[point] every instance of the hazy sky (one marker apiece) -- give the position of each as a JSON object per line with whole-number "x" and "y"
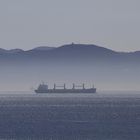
{"x": 26, "y": 24}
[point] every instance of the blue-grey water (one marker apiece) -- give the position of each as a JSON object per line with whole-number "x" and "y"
{"x": 101, "y": 116}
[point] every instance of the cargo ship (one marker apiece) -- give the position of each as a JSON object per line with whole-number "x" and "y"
{"x": 43, "y": 88}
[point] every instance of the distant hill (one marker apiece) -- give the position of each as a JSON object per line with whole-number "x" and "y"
{"x": 81, "y": 50}
{"x": 70, "y": 54}
{"x": 41, "y": 48}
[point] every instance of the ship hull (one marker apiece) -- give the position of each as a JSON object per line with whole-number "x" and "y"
{"x": 92, "y": 90}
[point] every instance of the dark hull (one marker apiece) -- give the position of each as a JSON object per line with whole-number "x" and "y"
{"x": 92, "y": 90}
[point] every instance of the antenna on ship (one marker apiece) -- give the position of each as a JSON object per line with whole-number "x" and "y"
{"x": 83, "y": 86}
{"x": 54, "y": 86}
{"x": 64, "y": 86}
{"x": 73, "y": 87}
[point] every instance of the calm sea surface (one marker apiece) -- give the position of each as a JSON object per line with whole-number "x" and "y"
{"x": 101, "y": 116}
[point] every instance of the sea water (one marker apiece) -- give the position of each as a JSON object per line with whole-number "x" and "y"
{"x": 100, "y": 116}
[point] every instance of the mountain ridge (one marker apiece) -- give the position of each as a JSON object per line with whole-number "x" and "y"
{"x": 65, "y": 46}
{"x": 69, "y": 54}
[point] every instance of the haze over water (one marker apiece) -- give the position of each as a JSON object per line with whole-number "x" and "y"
{"x": 101, "y": 116}
{"x": 36, "y": 45}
